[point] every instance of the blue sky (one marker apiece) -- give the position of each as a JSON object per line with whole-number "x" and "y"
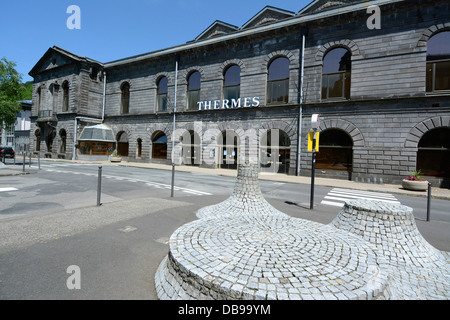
{"x": 115, "y": 29}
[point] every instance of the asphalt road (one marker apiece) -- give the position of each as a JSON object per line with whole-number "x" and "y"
{"x": 62, "y": 186}
{"x": 49, "y": 221}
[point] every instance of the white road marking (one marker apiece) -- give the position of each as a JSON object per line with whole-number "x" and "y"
{"x": 340, "y": 196}
{"x": 8, "y": 189}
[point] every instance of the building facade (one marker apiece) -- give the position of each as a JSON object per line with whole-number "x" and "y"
{"x": 377, "y": 72}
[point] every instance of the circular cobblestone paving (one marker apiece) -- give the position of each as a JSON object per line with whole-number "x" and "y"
{"x": 243, "y": 248}
{"x": 275, "y": 258}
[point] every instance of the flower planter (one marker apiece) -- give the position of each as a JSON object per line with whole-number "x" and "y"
{"x": 116, "y": 159}
{"x": 415, "y": 185}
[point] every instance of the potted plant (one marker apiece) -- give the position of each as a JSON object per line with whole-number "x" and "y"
{"x": 415, "y": 182}
{"x": 115, "y": 157}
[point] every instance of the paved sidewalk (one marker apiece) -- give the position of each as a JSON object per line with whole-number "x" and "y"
{"x": 437, "y": 193}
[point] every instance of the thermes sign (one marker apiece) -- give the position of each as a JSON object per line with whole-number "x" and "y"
{"x": 229, "y": 104}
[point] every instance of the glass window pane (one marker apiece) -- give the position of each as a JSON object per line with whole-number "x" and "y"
{"x": 193, "y": 99}
{"x": 163, "y": 85}
{"x": 279, "y": 69}
{"x": 233, "y": 76}
{"x": 336, "y": 60}
{"x": 162, "y": 102}
{"x": 194, "y": 81}
{"x": 442, "y": 76}
{"x": 439, "y": 46}
{"x": 278, "y": 91}
{"x": 430, "y": 67}
{"x": 347, "y": 85}
{"x": 325, "y": 87}
{"x": 335, "y": 82}
{"x": 231, "y": 92}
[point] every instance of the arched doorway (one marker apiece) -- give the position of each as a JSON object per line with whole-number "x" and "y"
{"x": 434, "y": 153}
{"x": 49, "y": 137}
{"x": 37, "y": 134}
{"x": 336, "y": 151}
{"x": 63, "y": 145}
{"x": 139, "y": 148}
{"x": 122, "y": 144}
{"x": 275, "y": 151}
{"x": 191, "y": 148}
{"x": 228, "y": 144}
{"x": 159, "y": 145}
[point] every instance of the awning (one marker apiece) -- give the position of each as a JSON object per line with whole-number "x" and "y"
{"x": 101, "y": 133}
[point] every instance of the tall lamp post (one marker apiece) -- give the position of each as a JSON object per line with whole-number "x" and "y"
{"x": 173, "y": 131}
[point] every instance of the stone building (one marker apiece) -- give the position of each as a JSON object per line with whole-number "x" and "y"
{"x": 377, "y": 72}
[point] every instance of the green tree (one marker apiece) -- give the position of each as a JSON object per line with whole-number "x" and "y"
{"x": 11, "y": 89}
{"x": 28, "y": 92}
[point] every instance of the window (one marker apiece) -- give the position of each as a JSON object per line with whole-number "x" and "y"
{"x": 434, "y": 152}
{"x": 278, "y": 81}
{"x": 336, "y": 151}
{"x": 438, "y": 62}
{"x": 275, "y": 151}
{"x": 228, "y": 145}
{"x": 194, "y": 86}
{"x": 232, "y": 83}
{"x": 336, "y": 74}
{"x": 65, "y": 105}
{"x": 191, "y": 151}
{"x": 159, "y": 145}
{"x": 162, "y": 94}
{"x": 125, "y": 100}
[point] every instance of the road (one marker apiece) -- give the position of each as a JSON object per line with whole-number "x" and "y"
{"x": 119, "y": 245}
{"x": 62, "y": 186}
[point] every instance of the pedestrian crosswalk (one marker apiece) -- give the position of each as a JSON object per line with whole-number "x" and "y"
{"x": 338, "y": 196}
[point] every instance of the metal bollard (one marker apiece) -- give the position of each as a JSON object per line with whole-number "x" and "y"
{"x": 24, "y": 155}
{"x": 30, "y": 160}
{"x": 99, "y": 186}
{"x": 39, "y": 161}
{"x": 173, "y": 180}
{"x": 429, "y": 202}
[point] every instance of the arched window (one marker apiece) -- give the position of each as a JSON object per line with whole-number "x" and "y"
{"x": 278, "y": 81}
{"x": 438, "y": 62}
{"x": 194, "y": 85}
{"x": 65, "y": 104}
{"x": 159, "y": 145}
{"x": 336, "y": 151}
{"x": 336, "y": 74}
{"x": 162, "y": 94}
{"x": 232, "y": 83}
{"x": 125, "y": 98}
{"x": 434, "y": 153}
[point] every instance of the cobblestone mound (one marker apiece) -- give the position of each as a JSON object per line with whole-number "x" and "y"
{"x": 246, "y": 198}
{"x": 243, "y": 248}
{"x": 418, "y": 270}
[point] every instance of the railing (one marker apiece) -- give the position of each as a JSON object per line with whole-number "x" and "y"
{"x": 45, "y": 114}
